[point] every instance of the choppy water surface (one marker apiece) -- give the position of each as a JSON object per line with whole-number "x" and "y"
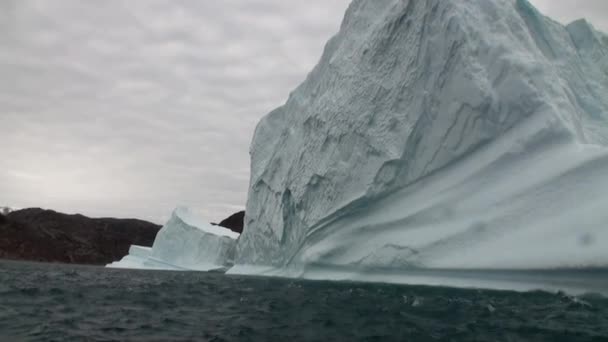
{"x": 71, "y": 303}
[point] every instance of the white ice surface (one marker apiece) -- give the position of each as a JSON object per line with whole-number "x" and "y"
{"x": 436, "y": 134}
{"x": 184, "y": 243}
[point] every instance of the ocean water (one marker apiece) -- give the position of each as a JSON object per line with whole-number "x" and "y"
{"x": 43, "y": 302}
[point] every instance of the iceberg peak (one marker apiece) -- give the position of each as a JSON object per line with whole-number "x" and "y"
{"x": 584, "y": 36}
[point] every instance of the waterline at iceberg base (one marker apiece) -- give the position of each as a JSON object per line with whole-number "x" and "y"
{"x": 436, "y": 135}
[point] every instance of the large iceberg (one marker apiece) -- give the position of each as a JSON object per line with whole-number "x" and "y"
{"x": 436, "y": 134}
{"x": 184, "y": 243}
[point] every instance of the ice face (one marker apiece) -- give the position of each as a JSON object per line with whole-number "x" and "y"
{"x": 184, "y": 243}
{"x": 192, "y": 244}
{"x": 437, "y": 134}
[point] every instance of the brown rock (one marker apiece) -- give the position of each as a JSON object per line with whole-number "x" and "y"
{"x": 49, "y": 236}
{"x": 234, "y": 222}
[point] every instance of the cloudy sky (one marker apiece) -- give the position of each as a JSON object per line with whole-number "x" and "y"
{"x": 130, "y": 107}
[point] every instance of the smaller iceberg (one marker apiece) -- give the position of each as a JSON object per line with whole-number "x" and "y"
{"x": 185, "y": 243}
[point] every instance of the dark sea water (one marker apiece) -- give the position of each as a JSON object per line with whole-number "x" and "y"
{"x": 41, "y": 302}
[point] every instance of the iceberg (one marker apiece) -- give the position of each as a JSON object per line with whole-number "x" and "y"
{"x": 436, "y": 135}
{"x": 184, "y": 243}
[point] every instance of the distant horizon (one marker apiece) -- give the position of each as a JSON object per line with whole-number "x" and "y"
{"x": 130, "y": 109}
{"x": 13, "y": 209}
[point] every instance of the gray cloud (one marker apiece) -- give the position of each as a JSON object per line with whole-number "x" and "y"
{"x": 130, "y": 107}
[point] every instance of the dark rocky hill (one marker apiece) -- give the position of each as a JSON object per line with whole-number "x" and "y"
{"x": 234, "y": 222}
{"x": 49, "y": 236}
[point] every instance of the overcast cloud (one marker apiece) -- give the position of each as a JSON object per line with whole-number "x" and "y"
{"x": 131, "y": 107}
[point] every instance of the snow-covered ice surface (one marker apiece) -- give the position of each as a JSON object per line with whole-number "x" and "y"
{"x": 436, "y": 135}
{"x": 184, "y": 243}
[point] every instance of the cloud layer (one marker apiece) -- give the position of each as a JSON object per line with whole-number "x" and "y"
{"x": 130, "y": 107}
